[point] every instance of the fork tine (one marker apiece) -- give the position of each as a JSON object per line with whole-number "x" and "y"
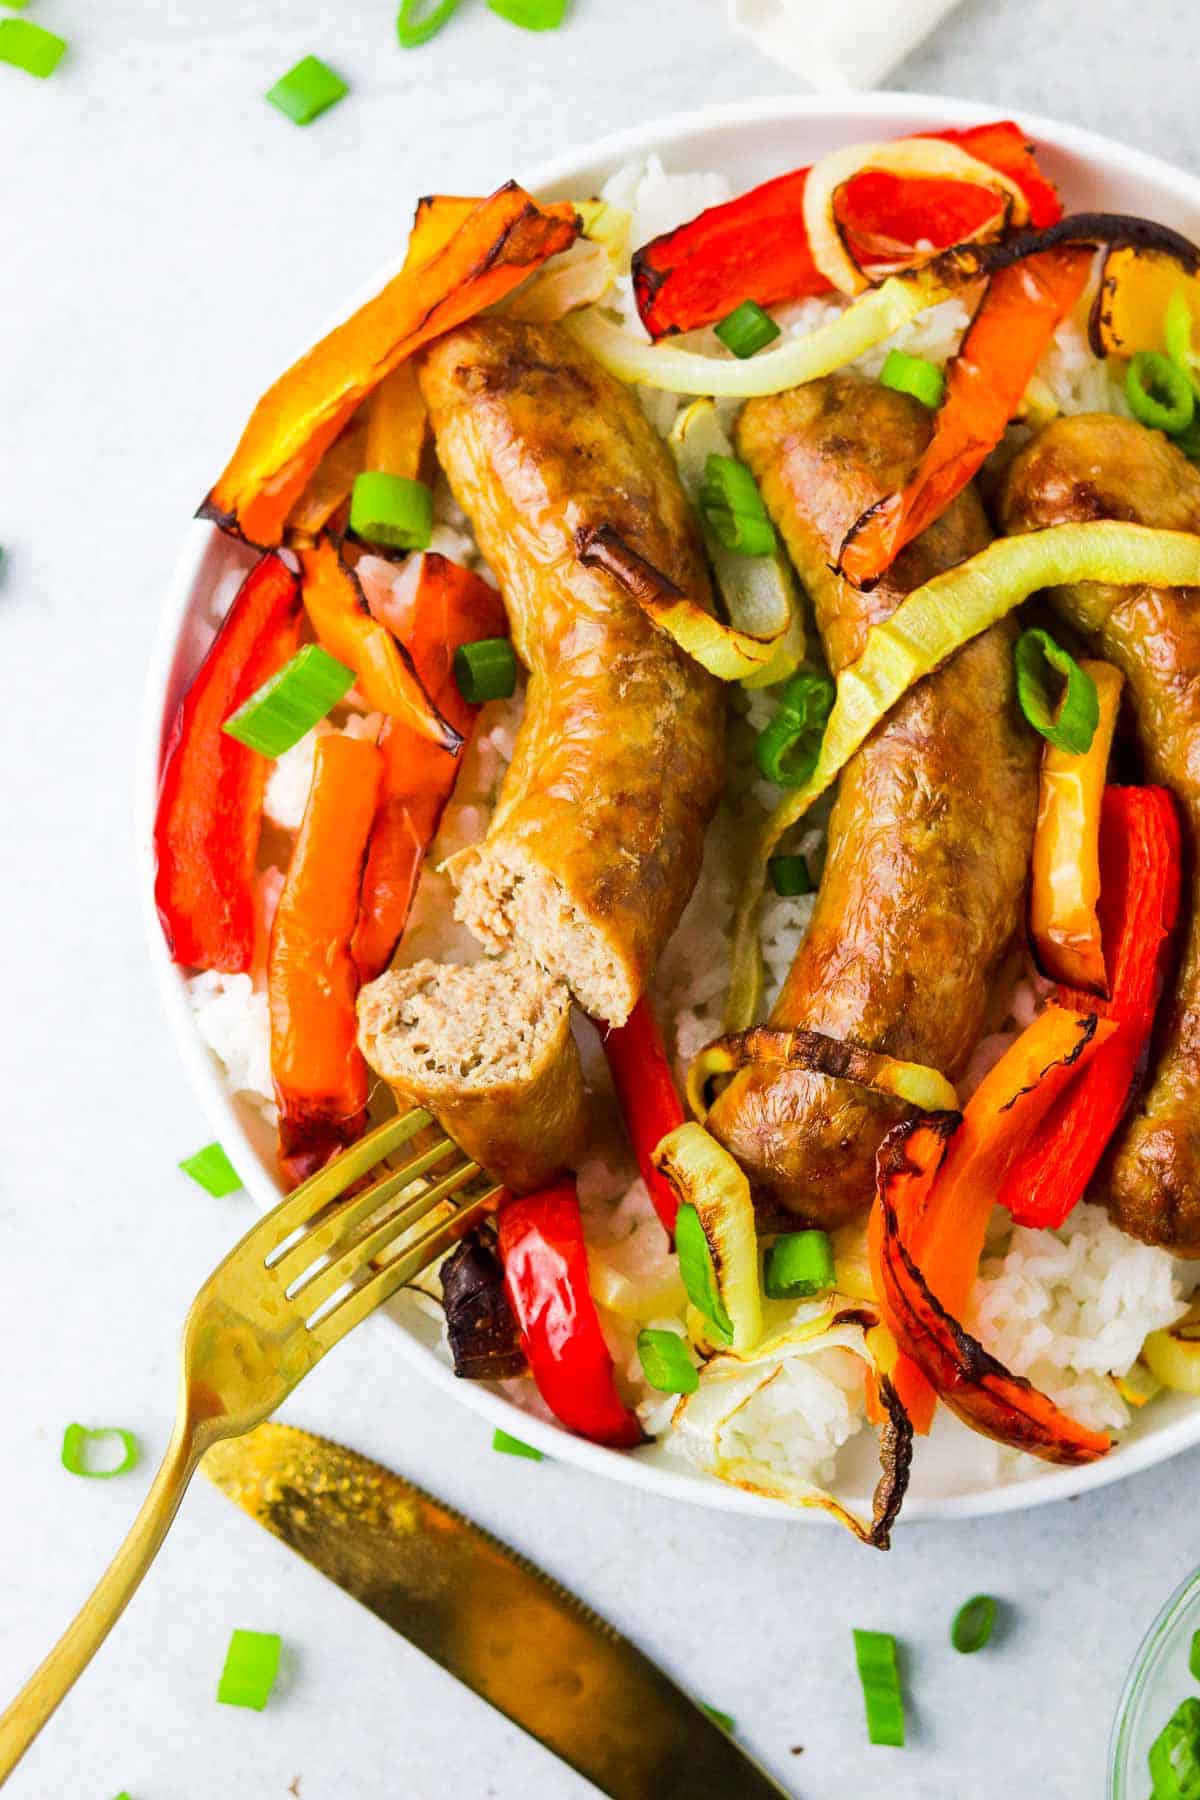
{"x": 327, "y": 1235}
{"x": 304, "y": 1202}
{"x": 349, "y": 1312}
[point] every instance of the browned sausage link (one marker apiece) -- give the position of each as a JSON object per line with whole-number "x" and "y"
{"x": 596, "y": 843}
{"x": 1101, "y": 467}
{"x": 930, "y": 837}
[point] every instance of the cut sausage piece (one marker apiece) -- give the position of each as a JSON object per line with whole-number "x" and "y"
{"x": 1096, "y": 466}
{"x": 486, "y": 1048}
{"x": 595, "y": 846}
{"x": 930, "y": 837}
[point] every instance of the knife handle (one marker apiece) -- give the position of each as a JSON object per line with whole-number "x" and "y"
{"x": 54, "y": 1679}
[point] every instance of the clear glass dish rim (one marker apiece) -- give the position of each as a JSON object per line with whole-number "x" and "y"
{"x": 1138, "y": 1679}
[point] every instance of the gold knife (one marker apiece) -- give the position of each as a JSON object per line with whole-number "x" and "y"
{"x": 506, "y": 1630}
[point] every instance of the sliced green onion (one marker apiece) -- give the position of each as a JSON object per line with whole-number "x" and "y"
{"x": 531, "y": 15}
{"x": 251, "y": 1665}
{"x": 786, "y": 750}
{"x": 973, "y": 1624}
{"x": 725, "y": 1720}
{"x": 697, "y": 1273}
{"x": 1159, "y": 394}
{"x": 77, "y": 1458}
{"x": 285, "y": 708}
{"x": 413, "y": 29}
{"x": 391, "y": 510}
{"x": 733, "y": 507}
{"x": 213, "y": 1170}
{"x": 747, "y": 329}
{"x": 875, "y": 1654}
{"x": 307, "y": 91}
{"x": 666, "y": 1363}
{"x": 789, "y": 875}
{"x": 31, "y": 48}
{"x": 511, "y": 1446}
{"x": 1194, "y": 1657}
{"x": 1071, "y": 725}
{"x": 1175, "y": 1755}
{"x": 913, "y": 375}
{"x": 799, "y": 1265}
{"x": 19, "y": 6}
{"x": 485, "y": 670}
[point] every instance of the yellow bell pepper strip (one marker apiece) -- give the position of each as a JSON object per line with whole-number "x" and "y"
{"x": 397, "y": 425}
{"x": 385, "y": 672}
{"x": 330, "y": 485}
{"x": 1064, "y": 927}
{"x": 492, "y": 251}
{"x": 1136, "y": 287}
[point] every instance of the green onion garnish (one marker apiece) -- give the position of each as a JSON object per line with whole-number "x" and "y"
{"x": 696, "y": 1270}
{"x": 875, "y": 1653}
{"x": 913, "y": 375}
{"x": 391, "y": 510}
{"x": 1175, "y": 1755}
{"x": 666, "y": 1363}
{"x": 789, "y": 875}
{"x": 31, "y": 48}
{"x": 251, "y": 1665}
{"x": 414, "y": 27}
{"x": 531, "y": 15}
{"x": 1071, "y": 725}
{"x": 213, "y": 1170}
{"x": 733, "y": 507}
{"x": 77, "y": 1458}
{"x": 485, "y": 670}
{"x": 307, "y": 91}
{"x": 1159, "y": 394}
{"x": 973, "y": 1624}
{"x": 746, "y": 329}
{"x": 511, "y": 1446}
{"x": 799, "y": 1265}
{"x": 786, "y": 750}
{"x": 19, "y": 6}
{"x": 287, "y": 706}
{"x": 725, "y": 1720}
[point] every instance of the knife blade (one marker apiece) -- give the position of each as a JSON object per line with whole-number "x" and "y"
{"x": 510, "y": 1633}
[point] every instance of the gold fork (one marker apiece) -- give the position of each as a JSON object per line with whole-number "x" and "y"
{"x": 299, "y": 1280}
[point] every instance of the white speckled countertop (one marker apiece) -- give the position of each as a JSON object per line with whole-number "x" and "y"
{"x": 168, "y": 239}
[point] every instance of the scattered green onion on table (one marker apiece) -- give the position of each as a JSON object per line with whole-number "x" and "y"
{"x": 307, "y": 90}
{"x": 511, "y": 1446}
{"x": 879, "y": 1672}
{"x": 286, "y": 707}
{"x": 725, "y": 1720}
{"x": 973, "y": 1624}
{"x": 913, "y": 375}
{"x": 531, "y": 15}
{"x": 251, "y": 1665}
{"x": 417, "y": 22}
{"x": 76, "y": 1454}
{"x": 746, "y": 329}
{"x": 30, "y": 47}
{"x": 213, "y": 1171}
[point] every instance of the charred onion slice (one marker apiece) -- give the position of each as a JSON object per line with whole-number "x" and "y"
{"x": 722, "y": 649}
{"x": 705, "y": 1176}
{"x": 911, "y": 158}
{"x": 482, "y": 1332}
{"x": 981, "y": 1391}
{"x": 914, "y": 1083}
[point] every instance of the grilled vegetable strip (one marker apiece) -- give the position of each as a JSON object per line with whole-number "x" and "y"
{"x": 650, "y": 1105}
{"x": 1065, "y": 877}
{"x": 448, "y": 606}
{"x": 206, "y": 828}
{"x": 319, "y": 1074}
{"x": 480, "y": 1327}
{"x": 710, "y": 1186}
{"x": 1139, "y": 865}
{"x": 771, "y": 1047}
{"x": 330, "y": 483}
{"x": 1017, "y": 318}
{"x": 545, "y": 1272}
{"x": 338, "y": 612}
{"x": 755, "y": 247}
{"x": 976, "y": 1387}
{"x": 397, "y": 425}
{"x": 492, "y": 250}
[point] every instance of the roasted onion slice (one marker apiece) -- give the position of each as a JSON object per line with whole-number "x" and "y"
{"x": 914, "y": 1083}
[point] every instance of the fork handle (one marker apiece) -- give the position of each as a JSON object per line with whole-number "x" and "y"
{"x": 50, "y": 1683}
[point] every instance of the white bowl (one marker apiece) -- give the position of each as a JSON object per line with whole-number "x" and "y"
{"x": 748, "y": 141}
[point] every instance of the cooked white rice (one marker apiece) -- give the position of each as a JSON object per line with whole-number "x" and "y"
{"x": 1070, "y": 1309}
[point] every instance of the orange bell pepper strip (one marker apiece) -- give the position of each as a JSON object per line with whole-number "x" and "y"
{"x": 502, "y": 241}
{"x": 331, "y": 483}
{"x": 977, "y": 1388}
{"x": 437, "y": 218}
{"x": 450, "y": 606}
{"x": 1064, "y": 882}
{"x": 1019, "y": 314}
{"x": 1141, "y": 860}
{"x": 384, "y": 669}
{"x": 397, "y": 425}
{"x": 312, "y": 985}
{"x": 209, "y": 815}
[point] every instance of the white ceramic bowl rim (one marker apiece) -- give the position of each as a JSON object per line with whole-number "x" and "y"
{"x": 868, "y": 115}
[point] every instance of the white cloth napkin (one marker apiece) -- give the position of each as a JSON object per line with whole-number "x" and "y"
{"x": 838, "y": 44}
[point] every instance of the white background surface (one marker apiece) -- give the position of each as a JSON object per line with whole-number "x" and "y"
{"x": 168, "y": 240}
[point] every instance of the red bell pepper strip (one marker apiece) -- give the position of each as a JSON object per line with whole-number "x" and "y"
{"x": 209, "y": 816}
{"x": 1140, "y": 862}
{"x": 545, "y": 1273}
{"x": 312, "y": 985}
{"x": 650, "y": 1103}
{"x": 755, "y": 248}
{"x": 1019, "y": 314}
{"x": 450, "y": 606}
